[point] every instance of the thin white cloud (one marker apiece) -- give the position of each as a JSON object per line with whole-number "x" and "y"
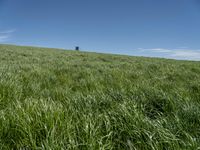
{"x": 3, "y": 38}
{"x": 6, "y": 34}
{"x": 187, "y": 54}
{"x": 7, "y": 31}
{"x": 161, "y": 50}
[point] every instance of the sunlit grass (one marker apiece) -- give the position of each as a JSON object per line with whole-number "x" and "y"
{"x": 56, "y": 99}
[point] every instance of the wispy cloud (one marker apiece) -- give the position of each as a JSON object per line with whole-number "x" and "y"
{"x": 7, "y": 31}
{"x": 181, "y": 53}
{"x": 6, "y": 34}
{"x": 158, "y": 50}
{"x": 187, "y": 54}
{"x": 3, "y": 38}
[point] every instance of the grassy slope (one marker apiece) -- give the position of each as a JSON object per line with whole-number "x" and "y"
{"x": 53, "y": 99}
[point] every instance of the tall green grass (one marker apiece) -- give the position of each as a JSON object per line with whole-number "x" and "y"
{"x": 56, "y": 99}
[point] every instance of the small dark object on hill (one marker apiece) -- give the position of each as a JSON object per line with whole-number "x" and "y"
{"x": 77, "y": 48}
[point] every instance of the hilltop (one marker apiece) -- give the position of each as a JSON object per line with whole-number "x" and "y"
{"x": 64, "y": 99}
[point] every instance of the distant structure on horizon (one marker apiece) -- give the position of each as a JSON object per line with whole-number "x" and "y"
{"x": 77, "y": 48}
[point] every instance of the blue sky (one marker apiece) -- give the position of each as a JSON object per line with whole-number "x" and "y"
{"x": 156, "y": 28}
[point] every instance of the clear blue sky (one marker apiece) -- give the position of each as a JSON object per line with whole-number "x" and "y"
{"x": 160, "y": 28}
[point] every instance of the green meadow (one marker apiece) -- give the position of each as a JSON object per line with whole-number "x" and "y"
{"x": 62, "y": 99}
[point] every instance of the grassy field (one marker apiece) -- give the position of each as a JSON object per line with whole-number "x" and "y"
{"x": 57, "y": 99}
